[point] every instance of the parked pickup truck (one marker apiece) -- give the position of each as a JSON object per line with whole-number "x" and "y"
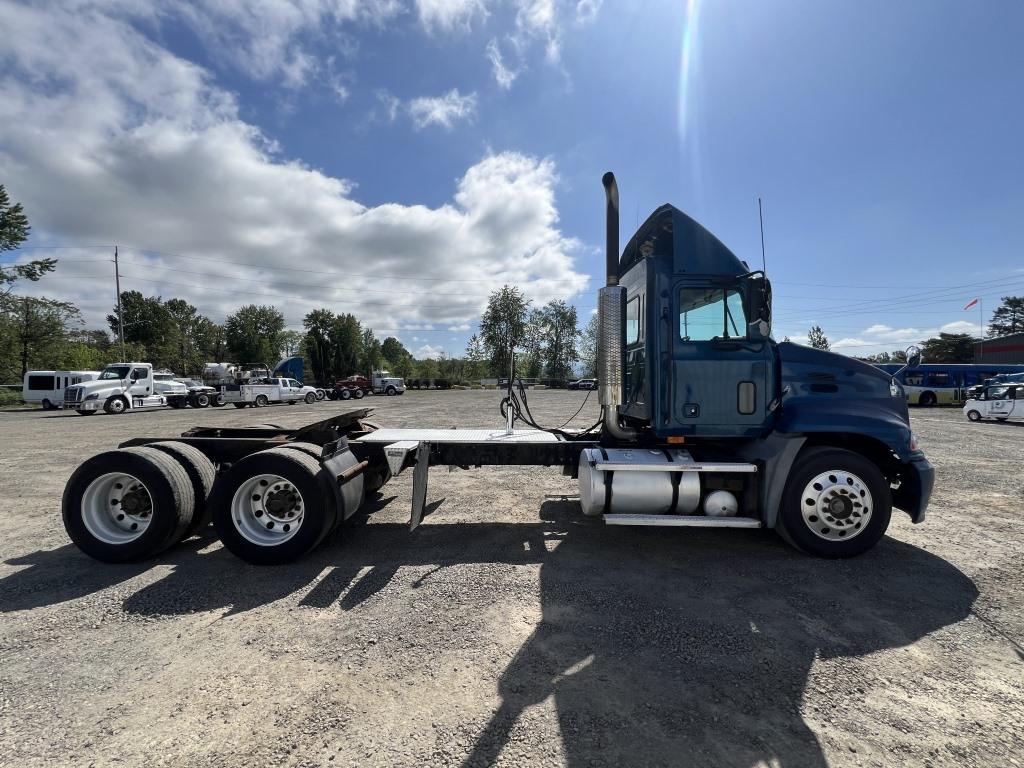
{"x": 274, "y": 390}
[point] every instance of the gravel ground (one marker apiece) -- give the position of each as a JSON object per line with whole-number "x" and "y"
{"x": 507, "y": 630}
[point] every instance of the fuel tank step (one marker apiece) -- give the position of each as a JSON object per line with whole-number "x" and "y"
{"x": 683, "y": 521}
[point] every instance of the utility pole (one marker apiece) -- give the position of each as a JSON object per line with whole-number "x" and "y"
{"x": 120, "y": 316}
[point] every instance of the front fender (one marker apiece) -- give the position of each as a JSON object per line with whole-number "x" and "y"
{"x": 876, "y": 419}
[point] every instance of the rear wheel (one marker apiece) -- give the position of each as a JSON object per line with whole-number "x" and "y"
{"x": 836, "y": 503}
{"x": 127, "y": 505}
{"x": 310, "y": 449}
{"x": 219, "y": 400}
{"x": 973, "y": 415}
{"x": 47, "y": 405}
{"x": 358, "y": 394}
{"x": 345, "y": 394}
{"x": 927, "y": 399}
{"x": 239, "y": 405}
{"x": 201, "y": 473}
{"x": 262, "y": 401}
{"x": 272, "y": 507}
{"x": 202, "y": 400}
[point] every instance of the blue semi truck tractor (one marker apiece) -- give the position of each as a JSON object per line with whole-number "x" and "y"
{"x": 706, "y": 421}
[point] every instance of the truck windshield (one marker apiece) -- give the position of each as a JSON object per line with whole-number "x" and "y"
{"x": 116, "y": 372}
{"x": 711, "y": 313}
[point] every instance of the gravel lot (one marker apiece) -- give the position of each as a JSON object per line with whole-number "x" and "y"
{"x": 507, "y": 630}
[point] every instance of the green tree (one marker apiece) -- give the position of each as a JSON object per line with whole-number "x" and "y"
{"x": 319, "y": 325}
{"x": 290, "y": 342}
{"x": 40, "y": 331}
{"x": 148, "y": 323}
{"x": 427, "y": 369}
{"x": 347, "y": 340}
{"x": 817, "y": 339}
{"x": 949, "y": 348}
{"x": 1008, "y": 317}
{"x": 558, "y": 324}
{"x": 503, "y": 326}
{"x": 588, "y": 348}
{"x": 476, "y": 359}
{"x": 14, "y": 230}
{"x": 253, "y": 332}
{"x": 371, "y": 353}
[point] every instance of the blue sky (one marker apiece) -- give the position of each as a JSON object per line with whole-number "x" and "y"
{"x": 399, "y": 159}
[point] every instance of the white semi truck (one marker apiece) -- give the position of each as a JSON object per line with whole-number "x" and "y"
{"x": 119, "y": 387}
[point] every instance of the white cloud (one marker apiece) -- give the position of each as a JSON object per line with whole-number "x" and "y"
{"x": 268, "y": 39}
{"x": 444, "y": 110}
{"x": 502, "y": 74}
{"x": 539, "y": 19}
{"x": 587, "y": 10}
{"x": 153, "y": 155}
{"x": 449, "y": 15}
{"x": 428, "y": 352}
{"x": 390, "y": 103}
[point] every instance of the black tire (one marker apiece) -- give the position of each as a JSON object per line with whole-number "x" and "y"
{"x": 390, "y": 391}
{"x": 47, "y": 405}
{"x": 302, "y": 471}
{"x": 310, "y": 398}
{"x": 218, "y": 401}
{"x": 332, "y": 395}
{"x": 1002, "y": 418}
{"x": 310, "y": 449}
{"x": 262, "y": 401}
{"x": 174, "y": 403}
{"x": 321, "y": 394}
{"x": 239, "y": 405}
{"x": 292, "y": 402}
{"x": 973, "y": 415}
{"x": 115, "y": 405}
{"x": 812, "y": 462}
{"x": 359, "y": 394}
{"x": 202, "y": 400}
{"x": 927, "y": 399}
{"x": 345, "y": 394}
{"x": 170, "y": 495}
{"x": 201, "y": 473}
{"x": 85, "y": 413}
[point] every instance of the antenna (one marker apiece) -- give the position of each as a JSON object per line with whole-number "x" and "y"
{"x": 760, "y": 217}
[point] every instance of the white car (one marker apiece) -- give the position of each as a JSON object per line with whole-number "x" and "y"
{"x": 999, "y": 402}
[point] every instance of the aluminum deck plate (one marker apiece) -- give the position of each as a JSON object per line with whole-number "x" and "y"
{"x": 459, "y": 436}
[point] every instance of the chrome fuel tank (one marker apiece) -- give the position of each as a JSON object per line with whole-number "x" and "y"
{"x": 644, "y": 491}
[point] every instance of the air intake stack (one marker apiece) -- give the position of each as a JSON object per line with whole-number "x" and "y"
{"x": 611, "y": 322}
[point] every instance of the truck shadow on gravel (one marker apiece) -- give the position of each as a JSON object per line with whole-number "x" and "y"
{"x": 658, "y": 646}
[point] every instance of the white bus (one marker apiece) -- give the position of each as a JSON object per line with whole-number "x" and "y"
{"x": 46, "y": 388}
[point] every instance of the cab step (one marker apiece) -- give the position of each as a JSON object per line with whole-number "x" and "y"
{"x": 683, "y": 521}
{"x": 717, "y": 466}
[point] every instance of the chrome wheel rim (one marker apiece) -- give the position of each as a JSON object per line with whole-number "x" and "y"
{"x": 117, "y": 406}
{"x": 117, "y": 508}
{"x": 267, "y": 510}
{"x": 836, "y": 505}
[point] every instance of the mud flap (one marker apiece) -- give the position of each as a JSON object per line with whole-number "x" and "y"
{"x": 419, "y": 485}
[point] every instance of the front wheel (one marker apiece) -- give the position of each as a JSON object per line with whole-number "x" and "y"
{"x": 390, "y": 391}
{"x": 836, "y": 503}
{"x": 116, "y": 405}
{"x": 973, "y": 415}
{"x": 310, "y": 398}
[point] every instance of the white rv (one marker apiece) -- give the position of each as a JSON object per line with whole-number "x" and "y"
{"x": 46, "y": 388}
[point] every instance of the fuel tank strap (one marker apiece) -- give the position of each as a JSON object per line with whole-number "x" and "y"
{"x": 607, "y": 483}
{"x": 676, "y": 477}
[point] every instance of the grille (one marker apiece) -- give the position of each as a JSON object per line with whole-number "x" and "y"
{"x": 73, "y": 394}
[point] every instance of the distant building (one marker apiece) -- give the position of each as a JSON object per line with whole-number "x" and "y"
{"x": 1005, "y": 349}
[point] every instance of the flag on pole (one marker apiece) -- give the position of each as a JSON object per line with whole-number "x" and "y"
{"x": 971, "y": 304}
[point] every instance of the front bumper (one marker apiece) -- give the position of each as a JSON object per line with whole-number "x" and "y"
{"x": 84, "y": 405}
{"x": 915, "y": 489}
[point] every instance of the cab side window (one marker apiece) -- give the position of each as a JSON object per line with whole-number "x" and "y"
{"x": 633, "y": 320}
{"x": 138, "y": 373}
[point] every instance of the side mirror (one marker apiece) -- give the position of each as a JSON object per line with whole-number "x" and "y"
{"x": 913, "y": 357}
{"x": 759, "y": 327}
{"x": 134, "y": 376}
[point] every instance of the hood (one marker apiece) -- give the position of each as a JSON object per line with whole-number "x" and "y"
{"x": 96, "y": 384}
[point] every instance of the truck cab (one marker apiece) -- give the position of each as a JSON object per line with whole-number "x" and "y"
{"x": 119, "y": 387}
{"x": 386, "y": 384}
{"x": 175, "y": 393}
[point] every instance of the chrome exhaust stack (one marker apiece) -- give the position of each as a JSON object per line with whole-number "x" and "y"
{"x": 611, "y": 323}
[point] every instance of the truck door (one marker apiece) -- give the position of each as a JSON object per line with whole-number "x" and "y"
{"x": 721, "y": 381}
{"x": 141, "y": 382}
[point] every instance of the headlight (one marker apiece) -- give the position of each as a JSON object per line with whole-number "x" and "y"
{"x": 894, "y": 388}
{"x": 913, "y": 442}
{"x": 93, "y": 396}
